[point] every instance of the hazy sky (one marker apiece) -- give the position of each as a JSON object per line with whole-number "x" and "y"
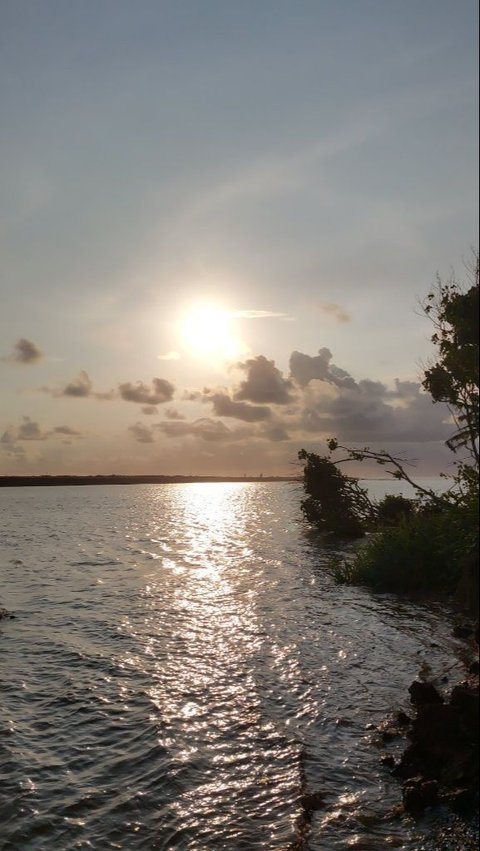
{"x": 194, "y": 190}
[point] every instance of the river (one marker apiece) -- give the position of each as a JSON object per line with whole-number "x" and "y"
{"x": 182, "y": 670}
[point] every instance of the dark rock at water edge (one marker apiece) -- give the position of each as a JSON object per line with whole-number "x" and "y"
{"x": 424, "y": 693}
{"x": 443, "y": 750}
{"x": 419, "y": 793}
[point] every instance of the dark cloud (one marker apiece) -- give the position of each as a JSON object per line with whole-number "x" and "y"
{"x": 80, "y": 387}
{"x": 159, "y": 392}
{"x": 224, "y": 406}
{"x": 366, "y": 412}
{"x": 264, "y": 384}
{"x": 404, "y": 389}
{"x": 142, "y": 433}
{"x": 149, "y": 410}
{"x": 304, "y": 368}
{"x": 25, "y": 352}
{"x": 30, "y": 430}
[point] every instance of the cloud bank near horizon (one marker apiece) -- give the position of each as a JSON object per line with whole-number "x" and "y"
{"x": 263, "y": 407}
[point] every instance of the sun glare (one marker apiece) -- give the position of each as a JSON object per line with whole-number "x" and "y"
{"x": 206, "y": 331}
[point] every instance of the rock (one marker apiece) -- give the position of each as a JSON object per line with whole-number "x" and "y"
{"x": 463, "y": 630}
{"x": 462, "y": 801}
{"x": 474, "y": 667}
{"x": 403, "y": 720}
{"x": 389, "y": 734}
{"x": 465, "y": 696}
{"x": 388, "y": 760}
{"x": 421, "y": 693}
{"x": 419, "y": 793}
{"x": 437, "y": 725}
{"x": 461, "y": 769}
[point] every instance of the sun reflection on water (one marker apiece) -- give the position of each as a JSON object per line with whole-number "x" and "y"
{"x": 204, "y": 633}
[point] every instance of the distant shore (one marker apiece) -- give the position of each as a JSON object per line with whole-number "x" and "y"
{"x": 45, "y": 481}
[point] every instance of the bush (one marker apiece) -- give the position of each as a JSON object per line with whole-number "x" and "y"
{"x": 426, "y": 551}
{"x": 394, "y": 508}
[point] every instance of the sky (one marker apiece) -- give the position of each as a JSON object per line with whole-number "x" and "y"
{"x": 217, "y": 222}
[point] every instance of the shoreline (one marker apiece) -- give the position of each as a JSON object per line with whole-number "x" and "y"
{"x": 49, "y": 481}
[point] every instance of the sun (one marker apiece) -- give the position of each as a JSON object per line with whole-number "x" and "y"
{"x": 206, "y": 331}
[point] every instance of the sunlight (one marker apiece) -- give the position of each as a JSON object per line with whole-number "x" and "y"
{"x": 206, "y": 331}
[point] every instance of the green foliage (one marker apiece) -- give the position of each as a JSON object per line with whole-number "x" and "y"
{"x": 427, "y": 551}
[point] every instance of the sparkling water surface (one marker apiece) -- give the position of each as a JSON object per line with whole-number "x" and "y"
{"x": 183, "y": 670}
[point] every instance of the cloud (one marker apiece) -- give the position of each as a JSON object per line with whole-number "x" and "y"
{"x": 149, "y": 410}
{"x": 258, "y": 314}
{"x": 304, "y": 368}
{"x": 363, "y": 415}
{"x": 204, "y": 428}
{"x": 335, "y": 311}
{"x": 8, "y": 437}
{"x": 173, "y": 414}
{"x": 276, "y": 432}
{"x": 333, "y": 403}
{"x": 264, "y": 384}
{"x": 25, "y": 352}
{"x": 30, "y": 430}
{"x": 80, "y": 387}
{"x": 9, "y": 445}
{"x": 224, "y": 406}
{"x": 192, "y": 396}
{"x": 142, "y": 433}
{"x": 67, "y": 431}
{"x": 169, "y": 356}
{"x": 159, "y": 392}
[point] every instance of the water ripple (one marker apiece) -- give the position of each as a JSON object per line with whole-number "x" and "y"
{"x": 182, "y": 672}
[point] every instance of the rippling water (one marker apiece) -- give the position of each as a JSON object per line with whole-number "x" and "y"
{"x": 182, "y": 670}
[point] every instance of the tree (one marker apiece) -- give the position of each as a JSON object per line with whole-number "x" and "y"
{"x": 432, "y": 542}
{"x": 336, "y": 503}
{"x": 454, "y": 377}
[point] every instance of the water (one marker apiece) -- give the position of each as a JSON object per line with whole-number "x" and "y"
{"x": 182, "y": 670}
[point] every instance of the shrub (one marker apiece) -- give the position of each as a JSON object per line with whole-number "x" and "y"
{"x": 394, "y": 508}
{"x": 425, "y": 551}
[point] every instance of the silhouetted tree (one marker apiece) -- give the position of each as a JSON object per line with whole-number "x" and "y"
{"x": 454, "y": 377}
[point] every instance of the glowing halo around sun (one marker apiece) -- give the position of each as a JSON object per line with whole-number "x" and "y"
{"x": 206, "y": 331}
